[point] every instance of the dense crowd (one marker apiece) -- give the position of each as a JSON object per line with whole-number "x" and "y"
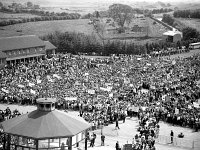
{"x": 106, "y": 89}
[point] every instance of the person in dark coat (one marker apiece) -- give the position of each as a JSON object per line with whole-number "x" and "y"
{"x": 172, "y": 136}
{"x": 117, "y": 124}
{"x": 117, "y": 146}
{"x": 102, "y": 139}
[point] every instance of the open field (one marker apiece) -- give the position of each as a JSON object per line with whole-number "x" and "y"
{"x": 81, "y": 25}
{"x": 15, "y": 16}
{"x": 194, "y": 23}
{"x": 44, "y": 27}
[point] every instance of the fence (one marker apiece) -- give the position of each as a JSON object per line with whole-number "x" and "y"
{"x": 164, "y": 24}
{"x": 180, "y": 142}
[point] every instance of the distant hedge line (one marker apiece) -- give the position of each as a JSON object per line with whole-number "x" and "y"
{"x": 187, "y": 13}
{"x": 39, "y": 18}
{"x": 71, "y": 42}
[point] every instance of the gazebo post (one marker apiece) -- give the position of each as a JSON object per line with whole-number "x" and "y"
{"x": 59, "y": 142}
{"x": 36, "y": 143}
{"x": 48, "y": 143}
{"x": 8, "y": 142}
{"x": 86, "y": 138}
{"x": 4, "y": 142}
{"x": 86, "y": 143}
{"x": 70, "y": 144}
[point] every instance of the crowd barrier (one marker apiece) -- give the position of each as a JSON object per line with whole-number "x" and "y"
{"x": 179, "y": 142}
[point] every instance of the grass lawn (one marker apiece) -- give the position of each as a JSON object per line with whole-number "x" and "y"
{"x": 194, "y": 23}
{"x": 44, "y": 27}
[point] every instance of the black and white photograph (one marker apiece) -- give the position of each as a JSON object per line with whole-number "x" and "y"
{"x": 99, "y": 74}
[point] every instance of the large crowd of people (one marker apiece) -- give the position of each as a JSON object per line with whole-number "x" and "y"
{"x": 106, "y": 89}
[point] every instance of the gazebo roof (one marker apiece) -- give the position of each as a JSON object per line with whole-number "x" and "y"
{"x": 43, "y": 125}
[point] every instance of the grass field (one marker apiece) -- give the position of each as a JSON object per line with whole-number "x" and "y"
{"x": 44, "y": 27}
{"x": 194, "y": 23}
{"x": 15, "y": 16}
{"x": 81, "y": 25}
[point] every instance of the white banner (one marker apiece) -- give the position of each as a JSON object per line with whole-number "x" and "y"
{"x": 111, "y": 95}
{"x": 135, "y": 108}
{"x": 20, "y": 86}
{"x": 199, "y": 101}
{"x": 39, "y": 81}
{"x": 4, "y": 90}
{"x": 31, "y": 84}
{"x": 105, "y": 89}
{"x": 32, "y": 91}
{"x": 57, "y": 76}
{"x": 196, "y": 105}
{"x": 176, "y": 111}
{"x": 70, "y": 98}
{"x": 91, "y": 91}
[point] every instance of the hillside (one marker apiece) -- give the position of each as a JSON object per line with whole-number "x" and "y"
{"x": 44, "y": 27}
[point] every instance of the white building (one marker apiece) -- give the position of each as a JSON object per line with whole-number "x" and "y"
{"x": 172, "y": 36}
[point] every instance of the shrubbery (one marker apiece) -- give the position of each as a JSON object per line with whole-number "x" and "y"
{"x": 75, "y": 43}
{"x": 39, "y": 18}
{"x": 168, "y": 19}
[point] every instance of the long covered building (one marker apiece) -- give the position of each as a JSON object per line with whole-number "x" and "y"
{"x": 23, "y": 48}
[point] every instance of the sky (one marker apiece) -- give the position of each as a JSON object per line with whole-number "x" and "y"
{"x": 100, "y": 1}
{"x": 81, "y": 2}
{"x": 74, "y": 1}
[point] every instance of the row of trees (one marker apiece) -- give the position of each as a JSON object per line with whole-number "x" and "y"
{"x": 134, "y": 10}
{"x": 39, "y": 18}
{"x": 75, "y": 43}
{"x": 187, "y": 14}
{"x": 168, "y": 19}
{"x": 35, "y": 12}
{"x": 158, "y": 11}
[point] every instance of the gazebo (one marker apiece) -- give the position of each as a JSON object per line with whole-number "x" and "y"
{"x": 44, "y": 129}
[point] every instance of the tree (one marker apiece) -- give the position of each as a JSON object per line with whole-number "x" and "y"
{"x": 190, "y": 33}
{"x": 29, "y": 4}
{"x": 121, "y": 13}
{"x": 1, "y": 4}
{"x": 168, "y": 19}
{"x": 97, "y": 14}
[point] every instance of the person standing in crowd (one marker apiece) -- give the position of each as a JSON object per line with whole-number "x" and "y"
{"x": 117, "y": 124}
{"x": 102, "y": 139}
{"x": 62, "y": 146}
{"x": 172, "y": 136}
{"x": 117, "y": 146}
{"x": 94, "y": 135}
{"x": 91, "y": 140}
{"x": 124, "y": 117}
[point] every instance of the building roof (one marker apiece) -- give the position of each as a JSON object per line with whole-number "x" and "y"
{"x": 49, "y": 45}
{"x": 172, "y": 33}
{"x": 20, "y": 42}
{"x": 44, "y": 125}
{"x": 2, "y": 55}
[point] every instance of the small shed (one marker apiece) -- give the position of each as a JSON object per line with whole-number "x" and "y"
{"x": 172, "y": 36}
